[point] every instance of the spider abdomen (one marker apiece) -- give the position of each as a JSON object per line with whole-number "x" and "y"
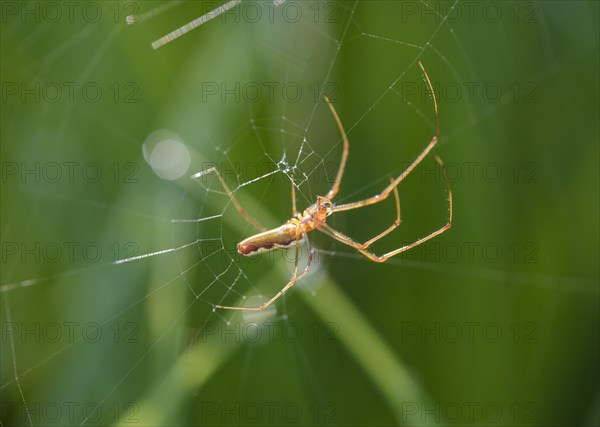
{"x": 278, "y": 238}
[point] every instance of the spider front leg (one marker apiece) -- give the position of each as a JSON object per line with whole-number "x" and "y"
{"x": 291, "y": 283}
{"x": 237, "y": 205}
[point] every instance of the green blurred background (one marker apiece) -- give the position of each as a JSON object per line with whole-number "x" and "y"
{"x": 494, "y": 322}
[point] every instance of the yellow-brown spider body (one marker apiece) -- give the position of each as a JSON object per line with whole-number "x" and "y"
{"x": 286, "y": 235}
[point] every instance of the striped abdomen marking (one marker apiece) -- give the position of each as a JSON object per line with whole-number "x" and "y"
{"x": 278, "y": 238}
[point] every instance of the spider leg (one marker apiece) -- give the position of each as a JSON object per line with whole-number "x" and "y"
{"x": 395, "y": 224}
{"x": 291, "y": 283}
{"x": 362, "y": 247}
{"x": 386, "y": 192}
{"x": 338, "y": 179}
{"x": 358, "y": 246}
{"x": 237, "y": 205}
{"x": 294, "y": 211}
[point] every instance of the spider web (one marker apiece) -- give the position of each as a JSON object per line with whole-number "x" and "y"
{"x": 104, "y": 337}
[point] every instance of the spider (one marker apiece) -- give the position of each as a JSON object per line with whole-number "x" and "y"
{"x": 295, "y": 230}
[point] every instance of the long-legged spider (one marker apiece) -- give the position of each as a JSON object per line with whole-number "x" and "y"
{"x": 314, "y": 217}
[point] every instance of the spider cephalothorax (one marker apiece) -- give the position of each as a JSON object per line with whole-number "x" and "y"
{"x": 315, "y": 216}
